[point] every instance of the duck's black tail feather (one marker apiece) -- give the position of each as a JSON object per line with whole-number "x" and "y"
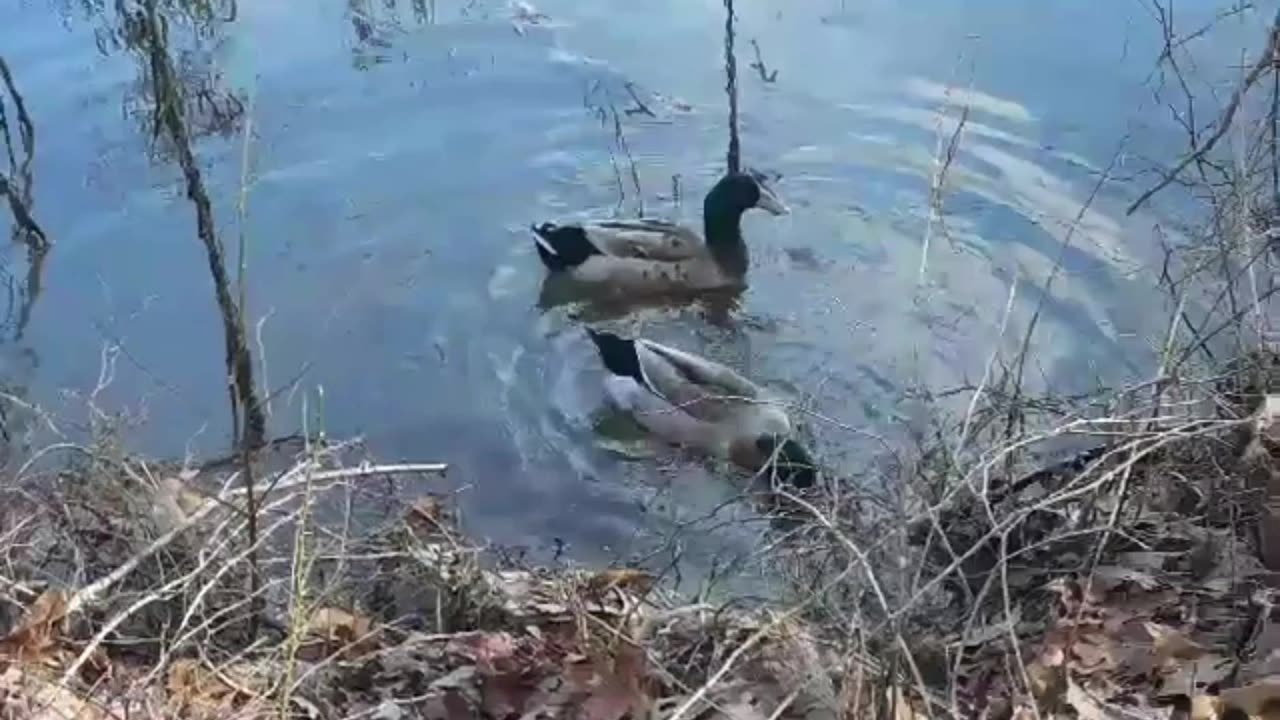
{"x": 618, "y": 355}
{"x": 562, "y": 247}
{"x": 790, "y": 460}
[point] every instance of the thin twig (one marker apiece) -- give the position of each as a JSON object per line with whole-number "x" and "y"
{"x": 640, "y": 108}
{"x": 731, "y": 89}
{"x": 765, "y": 75}
{"x": 1264, "y": 61}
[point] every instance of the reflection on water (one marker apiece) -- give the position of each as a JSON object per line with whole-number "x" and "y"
{"x": 17, "y": 188}
{"x": 401, "y": 150}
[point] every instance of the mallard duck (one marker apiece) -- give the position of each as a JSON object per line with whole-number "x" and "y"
{"x": 650, "y": 255}
{"x": 690, "y": 400}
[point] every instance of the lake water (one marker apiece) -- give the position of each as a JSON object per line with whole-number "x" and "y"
{"x": 399, "y": 154}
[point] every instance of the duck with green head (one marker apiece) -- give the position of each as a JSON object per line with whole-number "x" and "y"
{"x": 658, "y": 256}
{"x": 692, "y": 401}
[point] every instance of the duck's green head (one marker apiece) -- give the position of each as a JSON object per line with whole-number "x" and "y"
{"x": 788, "y": 460}
{"x": 738, "y": 192}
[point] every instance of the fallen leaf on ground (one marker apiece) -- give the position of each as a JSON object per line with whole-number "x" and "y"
{"x": 1259, "y": 699}
{"x": 492, "y": 652}
{"x": 1206, "y": 707}
{"x": 174, "y": 502}
{"x": 334, "y": 630}
{"x": 1193, "y": 677}
{"x": 1092, "y": 654}
{"x": 1172, "y": 645}
{"x": 507, "y": 694}
{"x": 630, "y": 579}
{"x": 428, "y": 509}
{"x": 194, "y": 688}
{"x": 1087, "y": 706}
{"x": 187, "y": 499}
{"x": 621, "y": 690}
{"x": 28, "y": 696}
{"x": 37, "y": 631}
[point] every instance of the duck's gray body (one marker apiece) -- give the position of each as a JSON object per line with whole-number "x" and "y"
{"x": 649, "y": 255}
{"x": 690, "y": 400}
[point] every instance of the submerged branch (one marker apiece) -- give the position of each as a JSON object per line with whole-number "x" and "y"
{"x": 22, "y": 215}
{"x": 765, "y": 74}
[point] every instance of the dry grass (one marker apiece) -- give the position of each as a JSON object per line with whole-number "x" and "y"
{"x": 979, "y": 589}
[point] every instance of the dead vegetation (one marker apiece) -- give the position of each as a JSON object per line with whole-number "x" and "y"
{"x": 1131, "y": 581}
{"x": 134, "y": 607}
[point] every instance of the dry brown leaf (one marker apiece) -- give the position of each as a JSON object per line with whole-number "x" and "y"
{"x": 606, "y": 689}
{"x": 31, "y": 697}
{"x": 629, "y": 579}
{"x": 38, "y": 631}
{"x": 1046, "y": 681}
{"x": 195, "y": 690}
{"x": 611, "y": 701}
{"x": 1205, "y": 707}
{"x": 189, "y": 683}
{"x": 1053, "y": 654}
{"x": 1259, "y": 699}
{"x": 1192, "y": 677}
{"x": 427, "y": 508}
{"x": 1171, "y": 645}
{"x": 1087, "y": 706}
{"x": 1092, "y": 653}
{"x": 492, "y": 652}
{"x": 187, "y": 499}
{"x": 189, "y": 680}
{"x": 507, "y": 694}
{"x": 334, "y": 630}
{"x": 622, "y": 691}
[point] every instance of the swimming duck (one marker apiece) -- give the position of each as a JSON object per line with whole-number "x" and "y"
{"x": 651, "y": 255}
{"x": 690, "y": 400}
